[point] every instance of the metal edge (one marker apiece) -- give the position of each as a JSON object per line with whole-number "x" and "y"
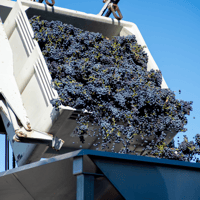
{"x": 88, "y": 152}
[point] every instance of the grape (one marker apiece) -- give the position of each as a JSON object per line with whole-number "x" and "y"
{"x": 109, "y": 79}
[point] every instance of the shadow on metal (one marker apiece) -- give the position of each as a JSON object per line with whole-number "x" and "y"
{"x": 88, "y": 174}
{"x": 54, "y": 179}
{"x": 134, "y": 180}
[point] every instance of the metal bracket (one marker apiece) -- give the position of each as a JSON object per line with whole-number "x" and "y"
{"x": 84, "y": 180}
{"x": 38, "y": 137}
{"x": 104, "y": 7}
{"x": 47, "y": 2}
{"x": 50, "y": 4}
{"x": 28, "y": 136}
{"x": 112, "y": 7}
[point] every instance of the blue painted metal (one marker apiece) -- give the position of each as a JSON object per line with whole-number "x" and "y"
{"x": 135, "y": 180}
{"x": 85, "y": 187}
{"x": 102, "y": 175}
{"x": 84, "y": 183}
{"x": 78, "y": 165}
{"x": 85, "y": 180}
{"x": 129, "y": 157}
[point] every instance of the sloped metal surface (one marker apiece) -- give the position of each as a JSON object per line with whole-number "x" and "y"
{"x": 11, "y": 188}
{"x": 52, "y": 179}
{"x": 5, "y": 8}
{"x": 150, "y": 181}
{"x": 134, "y": 180}
{"x": 103, "y": 189}
{"x": 123, "y": 177}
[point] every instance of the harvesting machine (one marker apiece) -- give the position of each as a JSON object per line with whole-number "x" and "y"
{"x": 35, "y": 128}
{"x": 30, "y": 121}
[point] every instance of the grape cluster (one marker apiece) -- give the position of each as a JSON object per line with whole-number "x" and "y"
{"x": 186, "y": 150}
{"x": 108, "y": 79}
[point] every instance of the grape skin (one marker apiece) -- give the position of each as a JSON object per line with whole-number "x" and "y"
{"x": 109, "y": 79}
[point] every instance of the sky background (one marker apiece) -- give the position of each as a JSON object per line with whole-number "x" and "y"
{"x": 171, "y": 30}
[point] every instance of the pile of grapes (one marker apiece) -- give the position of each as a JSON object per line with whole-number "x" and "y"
{"x": 108, "y": 79}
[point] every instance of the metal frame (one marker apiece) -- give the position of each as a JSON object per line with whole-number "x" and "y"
{"x": 34, "y": 82}
{"x": 112, "y": 7}
{"x": 6, "y": 153}
{"x": 88, "y": 174}
{"x": 12, "y": 111}
{"x": 84, "y": 180}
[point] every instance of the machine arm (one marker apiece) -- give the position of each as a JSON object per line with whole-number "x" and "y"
{"x": 12, "y": 110}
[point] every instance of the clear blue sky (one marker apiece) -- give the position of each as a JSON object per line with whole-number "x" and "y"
{"x": 171, "y": 30}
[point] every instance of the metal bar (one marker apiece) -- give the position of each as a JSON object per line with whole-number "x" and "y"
{"x": 85, "y": 187}
{"x": 114, "y": 8}
{"x": 115, "y": 1}
{"x": 109, "y": 10}
{"x": 108, "y": 13}
{"x": 104, "y": 8}
{"x": 6, "y": 153}
{"x": 85, "y": 181}
{"x": 37, "y": 137}
{"x": 93, "y": 174}
{"x": 78, "y": 165}
{"x": 50, "y": 4}
{"x": 13, "y": 161}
